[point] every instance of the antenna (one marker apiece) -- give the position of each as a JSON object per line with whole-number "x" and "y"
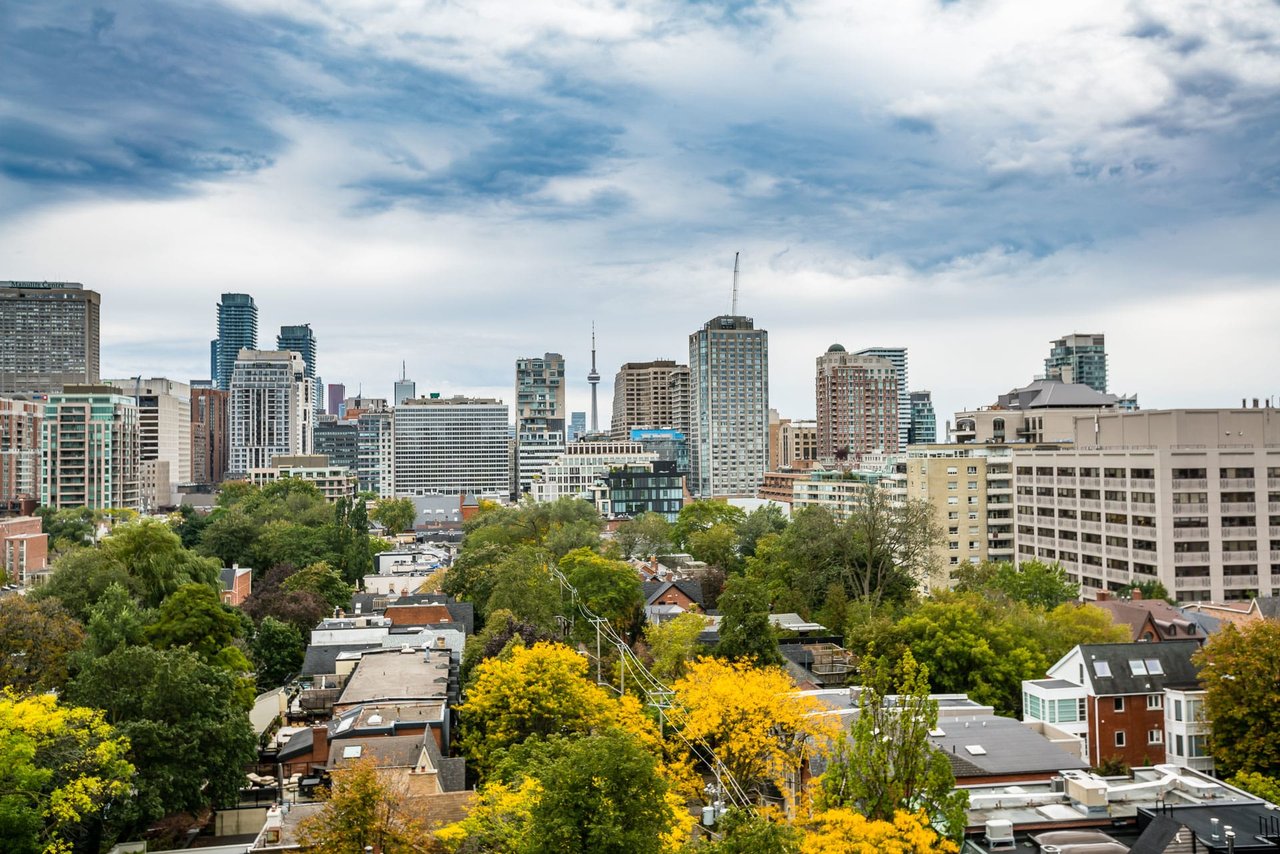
{"x": 734, "y": 309}
{"x": 404, "y": 374}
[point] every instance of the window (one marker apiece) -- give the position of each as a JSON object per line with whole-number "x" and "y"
{"x": 1138, "y": 666}
{"x": 1119, "y": 738}
{"x": 1178, "y": 747}
{"x": 1155, "y": 736}
{"x": 1154, "y": 667}
{"x": 1155, "y": 701}
{"x": 1102, "y": 669}
{"x": 1177, "y": 712}
{"x": 1119, "y": 704}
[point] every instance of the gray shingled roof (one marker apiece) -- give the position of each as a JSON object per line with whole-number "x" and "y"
{"x": 320, "y": 658}
{"x": 1048, "y": 394}
{"x": 1174, "y": 657}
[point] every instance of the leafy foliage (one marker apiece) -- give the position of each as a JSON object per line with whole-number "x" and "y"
{"x": 745, "y": 630}
{"x": 278, "y": 650}
{"x": 37, "y": 642}
{"x": 843, "y": 831}
{"x": 610, "y": 588}
{"x": 673, "y": 644}
{"x": 1031, "y": 582}
{"x": 361, "y": 810}
{"x": 699, "y": 516}
{"x": 322, "y": 580}
{"x": 1240, "y": 669}
{"x": 395, "y": 514}
{"x": 194, "y": 617}
{"x": 500, "y": 630}
{"x": 649, "y": 534}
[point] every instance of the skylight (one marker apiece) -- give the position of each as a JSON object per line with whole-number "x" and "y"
{"x": 352, "y": 751}
{"x": 1101, "y": 668}
{"x": 1138, "y": 667}
{"x": 976, "y": 749}
{"x": 1154, "y": 667}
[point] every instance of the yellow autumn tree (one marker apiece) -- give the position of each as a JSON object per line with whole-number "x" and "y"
{"x": 59, "y": 767}
{"x": 759, "y": 726}
{"x": 843, "y": 831}
{"x": 362, "y": 809}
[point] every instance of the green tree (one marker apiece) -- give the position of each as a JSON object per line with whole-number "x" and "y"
{"x": 37, "y": 642}
{"x": 673, "y": 644}
{"x": 153, "y": 555}
{"x": 887, "y": 762}
{"x": 571, "y": 536}
{"x": 78, "y": 578}
{"x": 764, "y": 520}
{"x": 893, "y": 545}
{"x": 743, "y": 832}
{"x": 68, "y": 529}
{"x": 1267, "y": 788}
{"x": 190, "y": 526}
{"x": 194, "y": 617}
{"x": 281, "y": 542}
{"x": 1240, "y": 670}
{"x": 229, "y": 537}
{"x": 647, "y": 535}
{"x": 115, "y": 620}
{"x": 1152, "y": 589}
{"x": 61, "y": 767}
{"x": 745, "y": 630}
{"x": 322, "y": 580}
{"x": 188, "y": 730}
{"x": 716, "y": 546}
{"x": 523, "y": 585}
{"x": 1032, "y": 582}
{"x": 359, "y": 558}
{"x": 395, "y": 514}
{"x": 610, "y": 588}
{"x": 701, "y": 515}
{"x": 278, "y": 650}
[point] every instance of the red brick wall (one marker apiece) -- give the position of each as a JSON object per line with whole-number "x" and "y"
{"x": 1135, "y": 721}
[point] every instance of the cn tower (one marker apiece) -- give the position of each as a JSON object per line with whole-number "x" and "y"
{"x": 594, "y": 379}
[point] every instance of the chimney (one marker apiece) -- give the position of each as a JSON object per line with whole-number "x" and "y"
{"x": 320, "y": 743}
{"x": 1135, "y": 594}
{"x": 1103, "y": 596}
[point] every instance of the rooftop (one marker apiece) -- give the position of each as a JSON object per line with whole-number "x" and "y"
{"x": 397, "y": 674}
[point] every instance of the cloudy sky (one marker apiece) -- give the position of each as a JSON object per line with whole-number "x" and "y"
{"x": 459, "y": 184}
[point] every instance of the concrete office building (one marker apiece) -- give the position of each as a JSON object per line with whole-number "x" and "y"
{"x": 857, "y": 403}
{"x": 164, "y": 429}
{"x": 237, "y": 330}
{"x": 90, "y": 450}
{"x": 301, "y": 340}
{"x": 1188, "y": 497}
{"x": 375, "y": 449}
{"x": 923, "y": 429}
{"x": 48, "y": 337}
{"x": 897, "y": 357}
{"x": 573, "y": 473}
{"x": 20, "y": 434}
{"x": 271, "y": 409}
{"x": 1078, "y": 358}
{"x": 451, "y": 445}
{"x": 210, "y": 435}
{"x": 729, "y": 411}
{"x": 1044, "y": 411}
{"x": 650, "y": 395}
{"x": 337, "y": 440}
{"x": 337, "y": 393}
{"x": 540, "y": 415}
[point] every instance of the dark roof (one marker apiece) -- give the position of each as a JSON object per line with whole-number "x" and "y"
{"x": 1245, "y": 817}
{"x": 228, "y": 575}
{"x": 386, "y": 751}
{"x": 1048, "y": 394}
{"x": 1174, "y": 657}
{"x": 1156, "y": 838}
{"x": 1269, "y": 606}
{"x": 687, "y": 586}
{"x": 450, "y": 773}
{"x": 320, "y": 658}
{"x": 995, "y": 745}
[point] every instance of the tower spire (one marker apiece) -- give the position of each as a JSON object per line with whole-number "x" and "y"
{"x": 594, "y": 379}
{"x": 733, "y": 311}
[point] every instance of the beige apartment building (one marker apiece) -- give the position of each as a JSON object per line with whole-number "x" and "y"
{"x": 1044, "y": 411}
{"x": 164, "y": 435}
{"x": 1187, "y": 497}
{"x": 793, "y": 444}
{"x": 650, "y": 395}
{"x": 334, "y": 482}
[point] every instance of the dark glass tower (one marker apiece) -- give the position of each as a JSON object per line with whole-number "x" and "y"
{"x": 237, "y": 330}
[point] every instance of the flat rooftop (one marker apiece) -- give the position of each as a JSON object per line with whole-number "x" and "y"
{"x": 397, "y": 674}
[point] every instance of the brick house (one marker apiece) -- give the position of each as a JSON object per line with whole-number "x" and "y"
{"x": 237, "y": 584}
{"x": 1150, "y": 620}
{"x": 24, "y": 550}
{"x": 1113, "y": 696}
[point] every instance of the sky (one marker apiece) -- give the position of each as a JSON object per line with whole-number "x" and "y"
{"x": 458, "y": 184}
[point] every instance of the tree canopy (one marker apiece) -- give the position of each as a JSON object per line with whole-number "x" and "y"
{"x": 1240, "y": 669}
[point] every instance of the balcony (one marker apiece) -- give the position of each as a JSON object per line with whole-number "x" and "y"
{"x": 1234, "y": 507}
{"x": 1091, "y": 549}
{"x": 1193, "y": 583}
{"x": 1090, "y": 504}
{"x": 1117, "y": 551}
{"x": 1274, "y": 531}
{"x": 1191, "y": 557}
{"x": 1275, "y": 555}
{"x": 1191, "y": 533}
{"x": 1239, "y": 557}
{"x": 1190, "y": 483}
{"x": 1273, "y": 507}
{"x": 1068, "y": 502}
{"x": 1041, "y": 480}
{"x": 1142, "y": 483}
{"x": 1236, "y": 483}
{"x": 1095, "y": 527}
{"x": 1273, "y": 483}
{"x": 1086, "y": 482}
{"x": 1118, "y": 575}
{"x": 1239, "y": 533}
{"x": 1190, "y": 509}
{"x": 1116, "y": 506}
{"x": 1142, "y": 507}
{"x": 1121, "y": 530}
{"x": 1247, "y": 582}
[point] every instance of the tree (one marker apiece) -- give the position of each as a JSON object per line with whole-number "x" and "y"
{"x": 537, "y": 691}
{"x": 1239, "y": 667}
{"x": 522, "y": 584}
{"x": 1267, "y": 788}
{"x": 37, "y": 641}
{"x": 395, "y": 514}
{"x": 647, "y": 535}
{"x": 610, "y": 588}
{"x": 79, "y": 577}
{"x": 759, "y": 727}
{"x": 153, "y": 555}
{"x": 230, "y": 536}
{"x": 60, "y": 768}
{"x": 716, "y": 546}
{"x": 673, "y": 644}
{"x": 764, "y": 520}
{"x": 362, "y": 811}
{"x": 191, "y": 527}
{"x": 843, "y": 831}
{"x": 894, "y": 545}
{"x": 701, "y": 515}
{"x": 278, "y": 650}
{"x": 68, "y": 529}
{"x": 887, "y": 763}
{"x": 743, "y": 832}
{"x": 498, "y": 822}
{"x": 745, "y": 630}
{"x": 115, "y": 620}
{"x": 359, "y": 557}
{"x": 501, "y": 629}
{"x": 322, "y": 580}
{"x": 1152, "y": 589}
{"x": 194, "y": 617}
{"x": 1032, "y": 582}
{"x": 188, "y": 731}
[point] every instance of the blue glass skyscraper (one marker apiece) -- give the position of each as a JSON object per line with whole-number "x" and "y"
{"x": 237, "y": 330}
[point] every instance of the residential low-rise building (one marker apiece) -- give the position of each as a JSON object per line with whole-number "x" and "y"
{"x": 632, "y": 490}
{"x": 24, "y": 550}
{"x": 574, "y": 471}
{"x": 334, "y": 482}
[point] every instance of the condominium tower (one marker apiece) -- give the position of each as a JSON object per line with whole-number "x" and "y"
{"x": 1079, "y": 358}
{"x": 451, "y": 445}
{"x": 90, "y": 450}
{"x": 897, "y": 356}
{"x": 271, "y": 408}
{"x": 164, "y": 427}
{"x": 540, "y": 415}
{"x": 48, "y": 336}
{"x": 20, "y": 429}
{"x": 923, "y": 429}
{"x": 237, "y": 330}
{"x": 210, "y": 440}
{"x": 857, "y": 403}
{"x": 729, "y": 391}
{"x": 300, "y": 339}
{"x": 650, "y": 395}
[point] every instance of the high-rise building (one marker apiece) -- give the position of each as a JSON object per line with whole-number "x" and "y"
{"x": 300, "y": 339}
{"x": 1079, "y": 358}
{"x": 374, "y": 449}
{"x": 857, "y": 403}
{"x": 210, "y": 439}
{"x": 577, "y": 425}
{"x": 164, "y": 428}
{"x": 924, "y": 422}
{"x": 90, "y": 450}
{"x": 20, "y": 434}
{"x": 540, "y": 414}
{"x": 337, "y": 393}
{"x": 237, "y": 330}
{"x": 405, "y": 388}
{"x": 729, "y": 390}
{"x": 48, "y": 336}
{"x": 451, "y": 445}
{"x": 671, "y": 446}
{"x": 650, "y": 395}
{"x": 271, "y": 408}
{"x": 339, "y": 440}
{"x": 897, "y": 356}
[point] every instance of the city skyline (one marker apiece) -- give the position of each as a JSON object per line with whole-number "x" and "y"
{"x": 970, "y": 182}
